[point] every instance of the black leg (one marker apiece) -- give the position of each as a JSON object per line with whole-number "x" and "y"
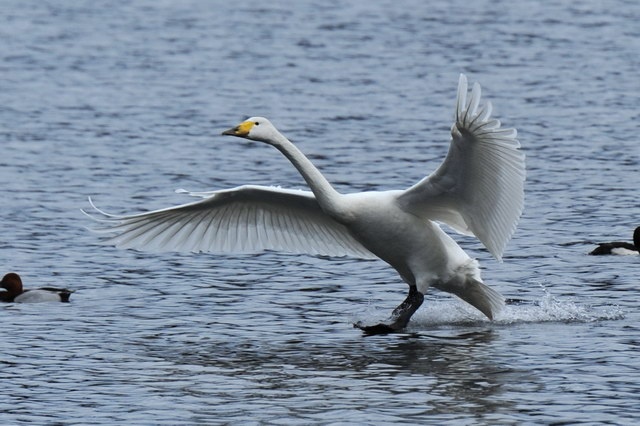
{"x": 399, "y": 317}
{"x": 402, "y": 314}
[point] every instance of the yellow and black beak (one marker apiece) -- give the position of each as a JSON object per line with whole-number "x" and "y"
{"x": 241, "y": 130}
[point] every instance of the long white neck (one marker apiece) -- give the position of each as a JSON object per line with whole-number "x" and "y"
{"x": 328, "y": 198}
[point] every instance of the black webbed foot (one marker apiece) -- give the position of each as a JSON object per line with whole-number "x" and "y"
{"x": 371, "y": 330}
{"x": 400, "y": 316}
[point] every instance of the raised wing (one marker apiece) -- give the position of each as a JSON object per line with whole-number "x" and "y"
{"x": 479, "y": 188}
{"x": 246, "y": 219}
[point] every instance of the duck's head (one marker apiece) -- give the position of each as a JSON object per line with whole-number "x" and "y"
{"x": 257, "y": 129}
{"x": 11, "y": 282}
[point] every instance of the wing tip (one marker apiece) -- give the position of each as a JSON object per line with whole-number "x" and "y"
{"x": 461, "y": 97}
{"x": 105, "y": 217}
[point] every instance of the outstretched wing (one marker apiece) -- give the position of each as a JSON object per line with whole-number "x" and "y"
{"x": 245, "y": 219}
{"x": 479, "y": 188}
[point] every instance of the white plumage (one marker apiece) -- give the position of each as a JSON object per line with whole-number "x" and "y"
{"x": 245, "y": 219}
{"x": 477, "y": 190}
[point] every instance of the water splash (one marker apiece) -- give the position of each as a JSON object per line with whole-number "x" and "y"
{"x": 552, "y": 309}
{"x": 548, "y": 308}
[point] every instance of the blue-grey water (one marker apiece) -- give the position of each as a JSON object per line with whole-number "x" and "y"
{"x": 124, "y": 102}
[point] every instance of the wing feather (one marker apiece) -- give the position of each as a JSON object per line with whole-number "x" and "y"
{"x": 479, "y": 188}
{"x": 246, "y": 219}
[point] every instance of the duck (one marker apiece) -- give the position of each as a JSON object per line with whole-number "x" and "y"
{"x": 478, "y": 190}
{"x": 12, "y": 283}
{"x": 619, "y": 247}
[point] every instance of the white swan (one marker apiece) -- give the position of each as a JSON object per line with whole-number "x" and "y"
{"x": 477, "y": 190}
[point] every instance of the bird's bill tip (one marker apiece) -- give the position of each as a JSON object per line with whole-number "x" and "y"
{"x": 241, "y": 130}
{"x": 230, "y": 132}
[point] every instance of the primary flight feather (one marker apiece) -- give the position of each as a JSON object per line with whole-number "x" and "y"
{"x": 477, "y": 190}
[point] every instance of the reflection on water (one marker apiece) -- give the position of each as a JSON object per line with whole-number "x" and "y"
{"x": 452, "y": 373}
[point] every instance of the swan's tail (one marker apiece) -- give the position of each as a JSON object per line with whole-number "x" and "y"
{"x": 482, "y": 297}
{"x": 467, "y": 284}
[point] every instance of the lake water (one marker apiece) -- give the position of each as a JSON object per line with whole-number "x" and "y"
{"x": 124, "y": 102}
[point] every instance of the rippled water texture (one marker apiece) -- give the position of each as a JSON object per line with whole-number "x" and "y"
{"x": 124, "y": 101}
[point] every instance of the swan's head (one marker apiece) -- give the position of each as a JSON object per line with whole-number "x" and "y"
{"x": 257, "y": 129}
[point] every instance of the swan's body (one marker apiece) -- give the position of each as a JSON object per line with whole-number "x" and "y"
{"x": 620, "y": 247}
{"x": 12, "y": 283}
{"x": 478, "y": 190}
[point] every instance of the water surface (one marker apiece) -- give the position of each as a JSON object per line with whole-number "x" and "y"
{"x": 124, "y": 102}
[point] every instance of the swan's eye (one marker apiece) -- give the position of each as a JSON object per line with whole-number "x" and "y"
{"x": 257, "y": 123}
